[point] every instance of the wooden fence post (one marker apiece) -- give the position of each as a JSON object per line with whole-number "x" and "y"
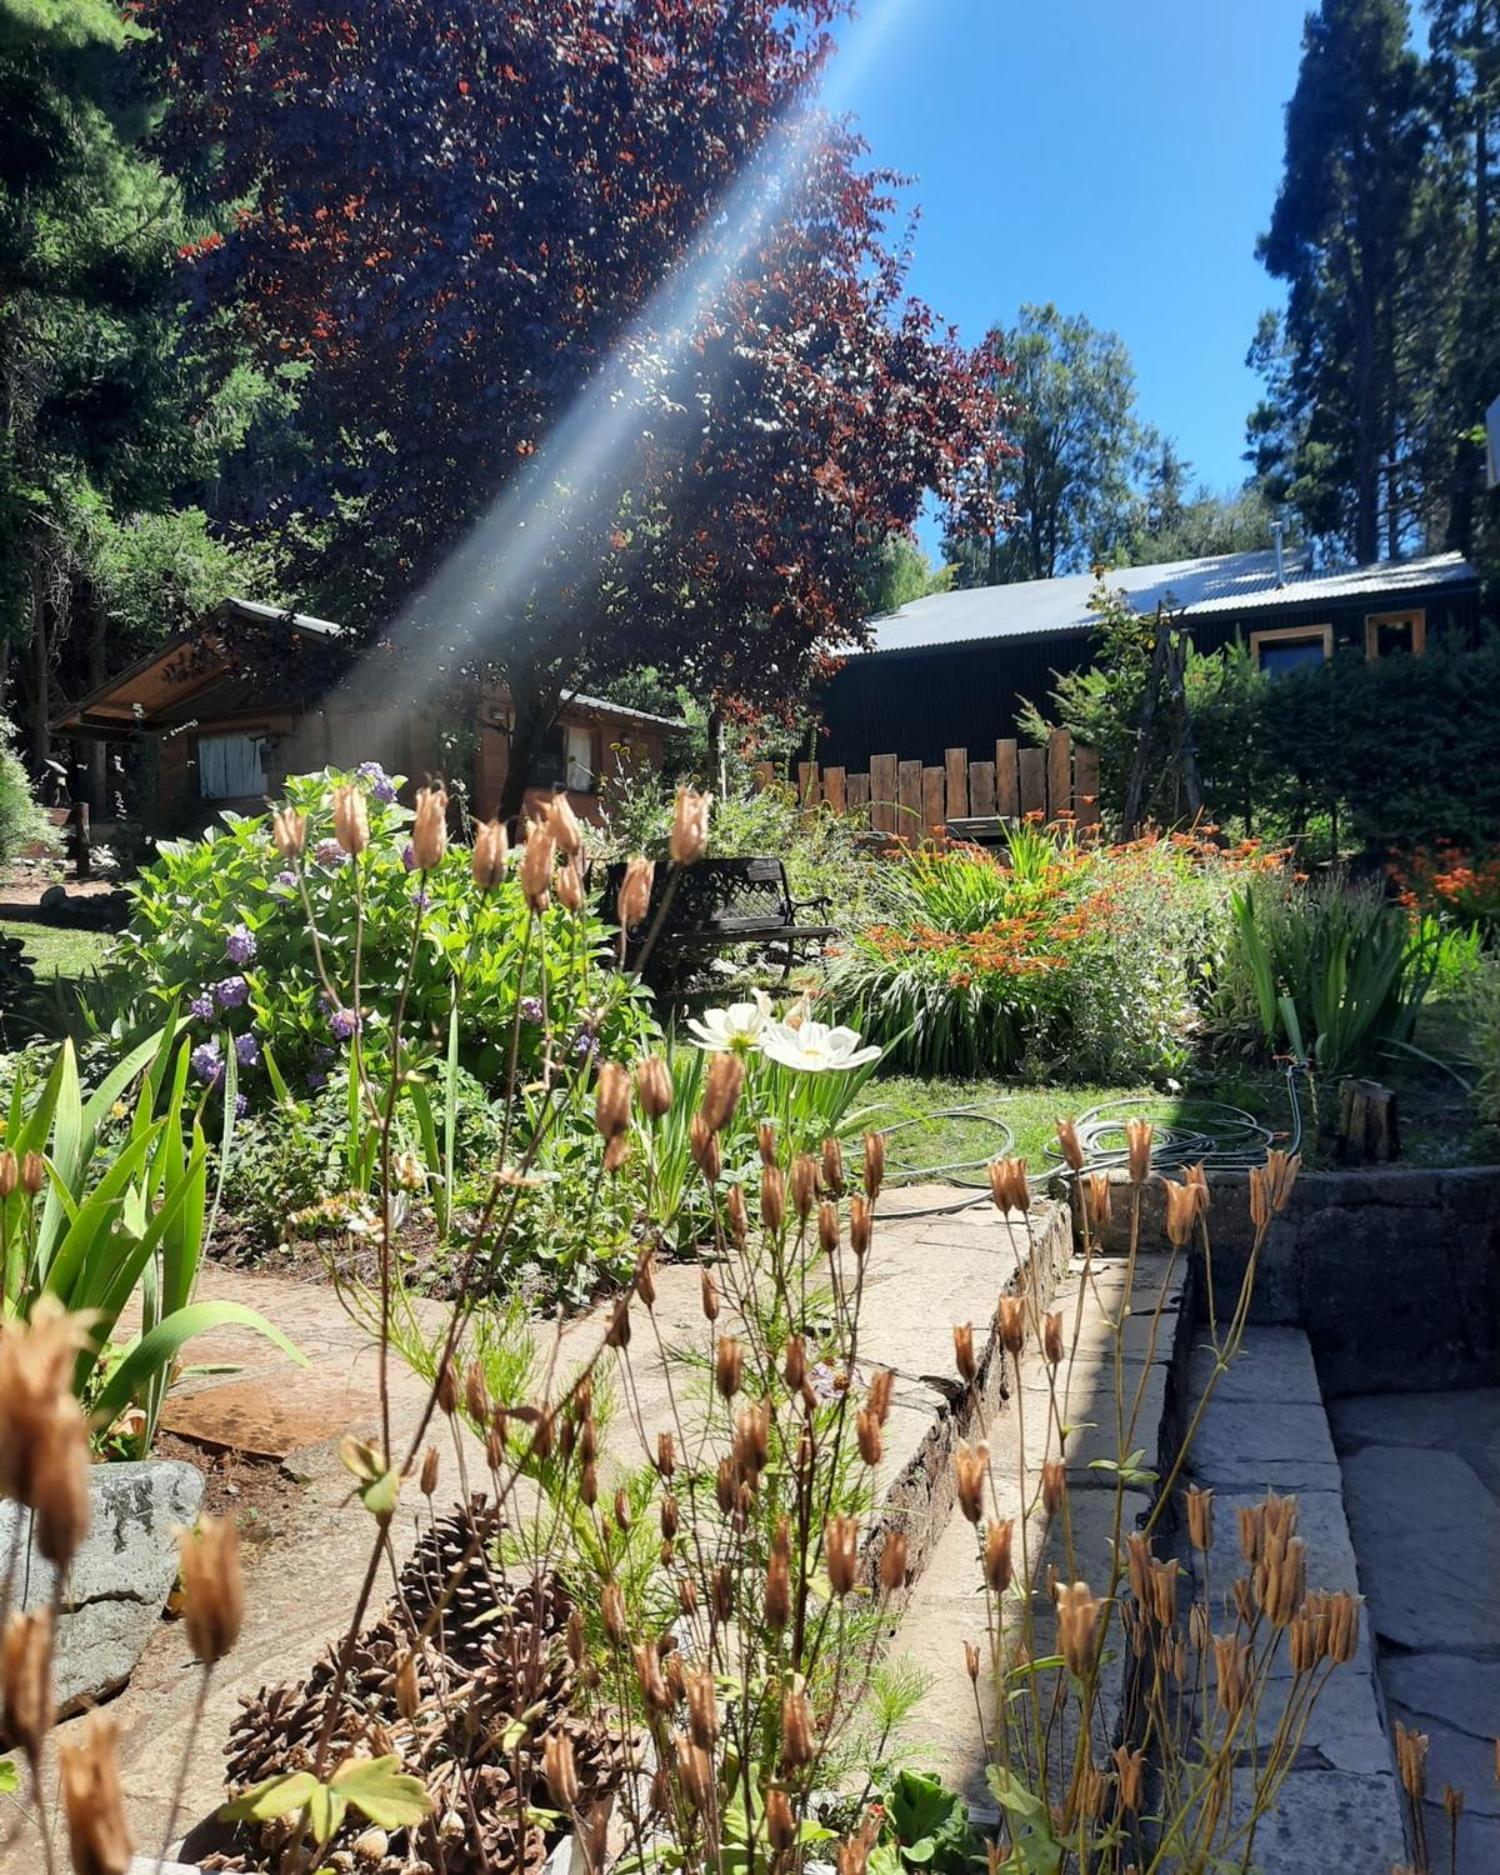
{"x": 933, "y": 815}
{"x": 1007, "y": 781}
{"x": 909, "y": 788}
{"x": 956, "y": 763}
{"x": 857, "y": 791}
{"x": 765, "y": 776}
{"x": 833, "y": 789}
{"x": 807, "y": 784}
{"x": 883, "y": 793}
{"x": 1086, "y": 785}
{"x": 1059, "y": 774}
{"x": 1032, "y": 764}
{"x": 981, "y": 789}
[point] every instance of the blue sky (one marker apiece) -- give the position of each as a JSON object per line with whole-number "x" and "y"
{"x": 1116, "y": 156}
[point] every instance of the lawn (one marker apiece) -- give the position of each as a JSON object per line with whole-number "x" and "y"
{"x": 56, "y": 953}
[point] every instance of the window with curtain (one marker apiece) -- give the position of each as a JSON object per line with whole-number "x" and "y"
{"x": 232, "y": 767}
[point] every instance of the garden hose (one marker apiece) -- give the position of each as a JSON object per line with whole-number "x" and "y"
{"x": 1185, "y": 1132}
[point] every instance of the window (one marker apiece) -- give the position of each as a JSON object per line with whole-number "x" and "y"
{"x": 580, "y": 754}
{"x": 1393, "y": 634}
{"x": 565, "y": 759}
{"x": 232, "y": 768}
{"x": 1291, "y": 648}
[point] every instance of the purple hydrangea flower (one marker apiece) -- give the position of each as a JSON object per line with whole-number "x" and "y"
{"x": 409, "y": 857}
{"x": 329, "y": 853}
{"x": 585, "y": 1042}
{"x": 207, "y": 1064}
{"x": 286, "y": 880}
{"x": 239, "y": 946}
{"x": 202, "y": 1006}
{"x": 344, "y": 1023}
{"x": 419, "y": 900}
{"x": 379, "y": 783}
{"x": 323, "y": 1054}
{"x": 531, "y": 1009}
{"x": 241, "y": 1106}
{"x": 247, "y": 1051}
{"x": 317, "y": 1080}
{"x": 232, "y": 992}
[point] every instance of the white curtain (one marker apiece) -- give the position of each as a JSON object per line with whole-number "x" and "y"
{"x": 231, "y": 767}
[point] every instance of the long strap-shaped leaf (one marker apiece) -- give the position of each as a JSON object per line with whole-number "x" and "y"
{"x": 167, "y": 1340}
{"x": 64, "y": 1276}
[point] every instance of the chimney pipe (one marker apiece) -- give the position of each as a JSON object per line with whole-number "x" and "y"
{"x": 1276, "y": 533}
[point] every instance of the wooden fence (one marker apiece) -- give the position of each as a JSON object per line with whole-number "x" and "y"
{"x": 907, "y": 799}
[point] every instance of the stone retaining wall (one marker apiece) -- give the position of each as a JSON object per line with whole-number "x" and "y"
{"x": 1394, "y": 1272}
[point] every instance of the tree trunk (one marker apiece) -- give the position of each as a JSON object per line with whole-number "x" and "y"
{"x": 1366, "y": 434}
{"x": 534, "y": 706}
{"x": 717, "y": 777}
{"x": 98, "y": 670}
{"x": 39, "y": 736}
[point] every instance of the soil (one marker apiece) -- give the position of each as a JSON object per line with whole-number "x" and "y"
{"x": 256, "y": 1492}
{"x": 340, "y": 1255}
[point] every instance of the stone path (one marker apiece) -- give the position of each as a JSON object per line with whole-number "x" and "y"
{"x": 1266, "y": 1428}
{"x": 947, "y": 1609}
{"x": 1422, "y": 1482}
{"x": 303, "y": 1573}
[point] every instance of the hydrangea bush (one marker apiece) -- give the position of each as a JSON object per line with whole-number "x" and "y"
{"x": 219, "y": 927}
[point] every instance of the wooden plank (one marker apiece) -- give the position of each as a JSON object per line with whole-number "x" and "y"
{"x": 765, "y": 776}
{"x": 833, "y": 789}
{"x": 981, "y": 788}
{"x": 909, "y": 821}
{"x": 1086, "y": 785}
{"x": 1032, "y": 764}
{"x": 1059, "y": 774}
{"x": 883, "y": 793}
{"x": 933, "y": 802}
{"x": 1007, "y": 780}
{"x": 857, "y": 793}
{"x": 807, "y": 783}
{"x": 956, "y": 763}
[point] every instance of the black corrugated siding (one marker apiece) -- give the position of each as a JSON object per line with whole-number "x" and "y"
{"x": 917, "y": 704}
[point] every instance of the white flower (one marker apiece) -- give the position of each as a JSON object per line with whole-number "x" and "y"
{"x": 737, "y": 1028}
{"x": 815, "y": 1048}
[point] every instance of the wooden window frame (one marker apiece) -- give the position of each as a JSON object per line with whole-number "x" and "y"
{"x": 1281, "y": 634}
{"x": 1415, "y": 616}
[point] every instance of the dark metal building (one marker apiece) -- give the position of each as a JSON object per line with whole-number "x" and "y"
{"x": 950, "y": 671}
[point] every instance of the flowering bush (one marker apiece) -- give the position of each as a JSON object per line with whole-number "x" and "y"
{"x": 1060, "y": 958}
{"x": 1457, "y": 884}
{"x": 223, "y": 926}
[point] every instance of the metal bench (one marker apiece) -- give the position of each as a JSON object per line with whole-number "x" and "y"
{"x": 720, "y": 904}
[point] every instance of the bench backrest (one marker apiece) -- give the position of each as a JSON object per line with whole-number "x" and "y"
{"x": 716, "y": 894}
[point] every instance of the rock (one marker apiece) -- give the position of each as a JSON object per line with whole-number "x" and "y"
{"x": 54, "y": 899}
{"x": 121, "y": 1577}
{"x": 1427, "y": 1533}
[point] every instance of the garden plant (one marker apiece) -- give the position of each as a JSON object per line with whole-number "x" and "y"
{"x": 682, "y": 1661}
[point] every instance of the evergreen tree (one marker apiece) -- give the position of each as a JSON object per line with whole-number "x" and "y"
{"x": 1341, "y": 236}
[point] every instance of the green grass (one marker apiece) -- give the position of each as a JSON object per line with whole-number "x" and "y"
{"x": 55, "y": 953}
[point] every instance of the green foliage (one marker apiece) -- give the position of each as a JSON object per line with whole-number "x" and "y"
{"x": 1481, "y": 1005}
{"x": 204, "y": 896}
{"x": 926, "y": 1826}
{"x": 22, "y": 821}
{"x": 900, "y": 573}
{"x": 126, "y": 1207}
{"x": 1332, "y": 971}
{"x": 1078, "y": 964}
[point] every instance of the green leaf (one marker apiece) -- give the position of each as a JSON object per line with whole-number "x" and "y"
{"x": 379, "y": 1789}
{"x": 277, "y": 1796}
{"x": 167, "y": 1340}
{"x": 10, "y": 1778}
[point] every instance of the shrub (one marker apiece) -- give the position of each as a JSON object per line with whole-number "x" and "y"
{"x": 1457, "y": 884}
{"x": 1482, "y": 1007}
{"x": 22, "y": 822}
{"x": 1327, "y": 970}
{"x": 220, "y": 927}
{"x": 1070, "y": 960}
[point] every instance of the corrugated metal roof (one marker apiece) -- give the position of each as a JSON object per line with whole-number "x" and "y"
{"x": 1231, "y": 582}
{"x": 279, "y": 615}
{"x": 624, "y": 710}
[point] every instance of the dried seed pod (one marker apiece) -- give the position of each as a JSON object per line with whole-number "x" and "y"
{"x": 797, "y": 1743}
{"x": 1138, "y": 1137}
{"x": 997, "y": 1555}
{"x": 708, "y": 1292}
{"x": 633, "y": 901}
{"x": 893, "y": 1561}
{"x": 61, "y": 1489}
{"x": 696, "y": 1772}
{"x": 688, "y": 841}
{"x": 871, "y": 1440}
{"x": 841, "y": 1552}
{"x": 611, "y": 1100}
{"x": 794, "y": 1363}
{"x": 1130, "y": 1772}
{"x": 408, "y": 1693}
{"x": 10, "y": 1172}
{"x": 33, "y": 1174}
{"x": 669, "y": 1517}
{"x": 772, "y": 1197}
{"x": 1069, "y": 1145}
{"x": 1098, "y": 1201}
{"x": 778, "y": 1597}
{"x": 213, "y": 1587}
{"x": 491, "y": 851}
{"x": 738, "y": 1217}
{"x": 429, "y": 1477}
{"x": 477, "y": 1400}
{"x": 729, "y": 1362}
{"x": 723, "y": 1082}
{"x": 1182, "y": 1212}
{"x": 648, "y": 1677}
{"x": 289, "y": 832}
{"x": 804, "y": 1185}
{"x": 666, "y": 1454}
{"x": 653, "y": 1085}
{"x": 1200, "y": 1518}
{"x": 612, "y": 1607}
{"x": 563, "y": 825}
{"x": 26, "y": 1679}
{"x": 351, "y": 819}
{"x": 781, "y": 1824}
{"x": 1052, "y": 1338}
{"x": 429, "y": 828}
{"x": 874, "y": 1164}
{"x": 828, "y": 1227}
{"x": 963, "y": 1352}
{"x": 971, "y": 1661}
{"x": 89, "y": 1772}
{"x": 1231, "y": 1673}
{"x": 879, "y": 1395}
{"x": 970, "y": 1467}
{"x": 833, "y": 1167}
{"x": 861, "y": 1224}
{"x": 766, "y": 1137}
{"x": 1077, "y": 1627}
{"x": 703, "y": 1143}
{"x": 1054, "y": 1485}
{"x": 1011, "y": 1317}
{"x": 723, "y": 1590}
{"x": 703, "y": 1708}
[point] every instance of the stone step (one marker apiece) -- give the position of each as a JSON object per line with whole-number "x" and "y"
{"x": 1266, "y": 1428}
{"x": 1078, "y": 1420}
